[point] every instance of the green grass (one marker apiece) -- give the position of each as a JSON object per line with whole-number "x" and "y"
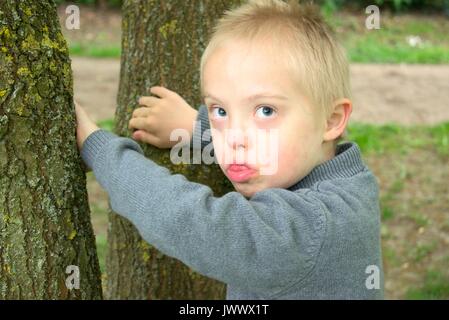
{"x": 387, "y": 212}
{"x": 366, "y": 49}
{"x": 390, "y": 255}
{"x": 380, "y": 139}
{"x": 107, "y": 124}
{"x": 440, "y": 136}
{"x": 420, "y": 219}
{"x": 102, "y": 246}
{"x": 436, "y": 286}
{"x": 95, "y": 50}
{"x": 387, "y": 201}
{"x": 388, "y": 44}
{"x": 374, "y": 50}
{"x": 421, "y": 251}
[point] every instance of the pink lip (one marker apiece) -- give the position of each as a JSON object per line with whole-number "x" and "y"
{"x": 240, "y": 173}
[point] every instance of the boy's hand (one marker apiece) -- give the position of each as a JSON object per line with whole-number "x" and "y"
{"x": 158, "y": 117}
{"x": 84, "y": 125}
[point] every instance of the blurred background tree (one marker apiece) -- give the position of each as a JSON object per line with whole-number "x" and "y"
{"x": 161, "y": 47}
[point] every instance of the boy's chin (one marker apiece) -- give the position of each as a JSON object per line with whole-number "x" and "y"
{"x": 245, "y": 189}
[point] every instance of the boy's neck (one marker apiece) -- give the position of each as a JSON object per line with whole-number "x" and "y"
{"x": 329, "y": 150}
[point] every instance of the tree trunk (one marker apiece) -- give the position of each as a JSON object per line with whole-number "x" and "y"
{"x": 162, "y": 43}
{"x": 102, "y": 4}
{"x": 44, "y": 215}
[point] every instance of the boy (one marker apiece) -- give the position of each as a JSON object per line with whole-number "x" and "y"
{"x": 308, "y": 230}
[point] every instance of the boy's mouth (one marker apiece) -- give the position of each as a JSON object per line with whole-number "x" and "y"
{"x": 240, "y": 172}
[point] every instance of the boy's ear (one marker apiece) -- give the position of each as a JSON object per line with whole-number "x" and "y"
{"x": 338, "y": 119}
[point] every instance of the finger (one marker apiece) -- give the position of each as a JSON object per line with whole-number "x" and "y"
{"x": 146, "y": 137}
{"x": 161, "y": 91}
{"x": 148, "y": 101}
{"x": 139, "y": 123}
{"x": 141, "y": 112}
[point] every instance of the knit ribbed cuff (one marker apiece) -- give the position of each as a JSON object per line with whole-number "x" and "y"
{"x": 93, "y": 145}
{"x": 201, "y": 132}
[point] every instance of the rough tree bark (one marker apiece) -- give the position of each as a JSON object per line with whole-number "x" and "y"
{"x": 162, "y": 42}
{"x": 44, "y": 214}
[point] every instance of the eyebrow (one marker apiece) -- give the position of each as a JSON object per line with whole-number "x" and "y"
{"x": 253, "y": 97}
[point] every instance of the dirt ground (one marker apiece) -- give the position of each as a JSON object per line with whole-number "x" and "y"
{"x": 404, "y": 94}
{"x": 96, "y": 85}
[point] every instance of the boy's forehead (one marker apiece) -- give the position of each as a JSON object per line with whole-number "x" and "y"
{"x": 260, "y": 49}
{"x": 250, "y": 65}
{"x": 240, "y": 58}
{"x": 260, "y": 72}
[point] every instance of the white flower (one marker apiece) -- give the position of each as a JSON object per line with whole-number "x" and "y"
{"x": 414, "y": 41}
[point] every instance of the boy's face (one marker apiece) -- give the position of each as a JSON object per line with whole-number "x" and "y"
{"x": 279, "y": 139}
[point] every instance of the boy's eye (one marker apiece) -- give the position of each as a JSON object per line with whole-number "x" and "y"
{"x": 218, "y": 112}
{"x": 265, "y": 111}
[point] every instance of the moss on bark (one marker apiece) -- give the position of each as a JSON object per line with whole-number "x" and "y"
{"x": 44, "y": 215}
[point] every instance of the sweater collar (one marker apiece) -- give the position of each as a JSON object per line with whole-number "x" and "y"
{"x": 346, "y": 163}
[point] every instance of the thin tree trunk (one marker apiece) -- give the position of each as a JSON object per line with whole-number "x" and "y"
{"x": 102, "y": 4}
{"x": 44, "y": 215}
{"x": 162, "y": 42}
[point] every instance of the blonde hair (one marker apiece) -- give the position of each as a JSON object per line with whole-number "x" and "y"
{"x": 299, "y": 36}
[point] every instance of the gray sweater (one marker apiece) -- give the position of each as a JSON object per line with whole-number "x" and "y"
{"x": 318, "y": 239}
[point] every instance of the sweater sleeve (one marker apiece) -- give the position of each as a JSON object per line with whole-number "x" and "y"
{"x": 201, "y": 132}
{"x": 263, "y": 244}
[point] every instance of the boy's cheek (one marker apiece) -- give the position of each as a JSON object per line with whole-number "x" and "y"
{"x": 293, "y": 155}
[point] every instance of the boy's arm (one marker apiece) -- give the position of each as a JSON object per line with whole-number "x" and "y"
{"x": 264, "y": 244}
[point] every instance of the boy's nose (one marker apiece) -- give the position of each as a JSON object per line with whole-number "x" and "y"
{"x": 239, "y": 133}
{"x": 237, "y": 138}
